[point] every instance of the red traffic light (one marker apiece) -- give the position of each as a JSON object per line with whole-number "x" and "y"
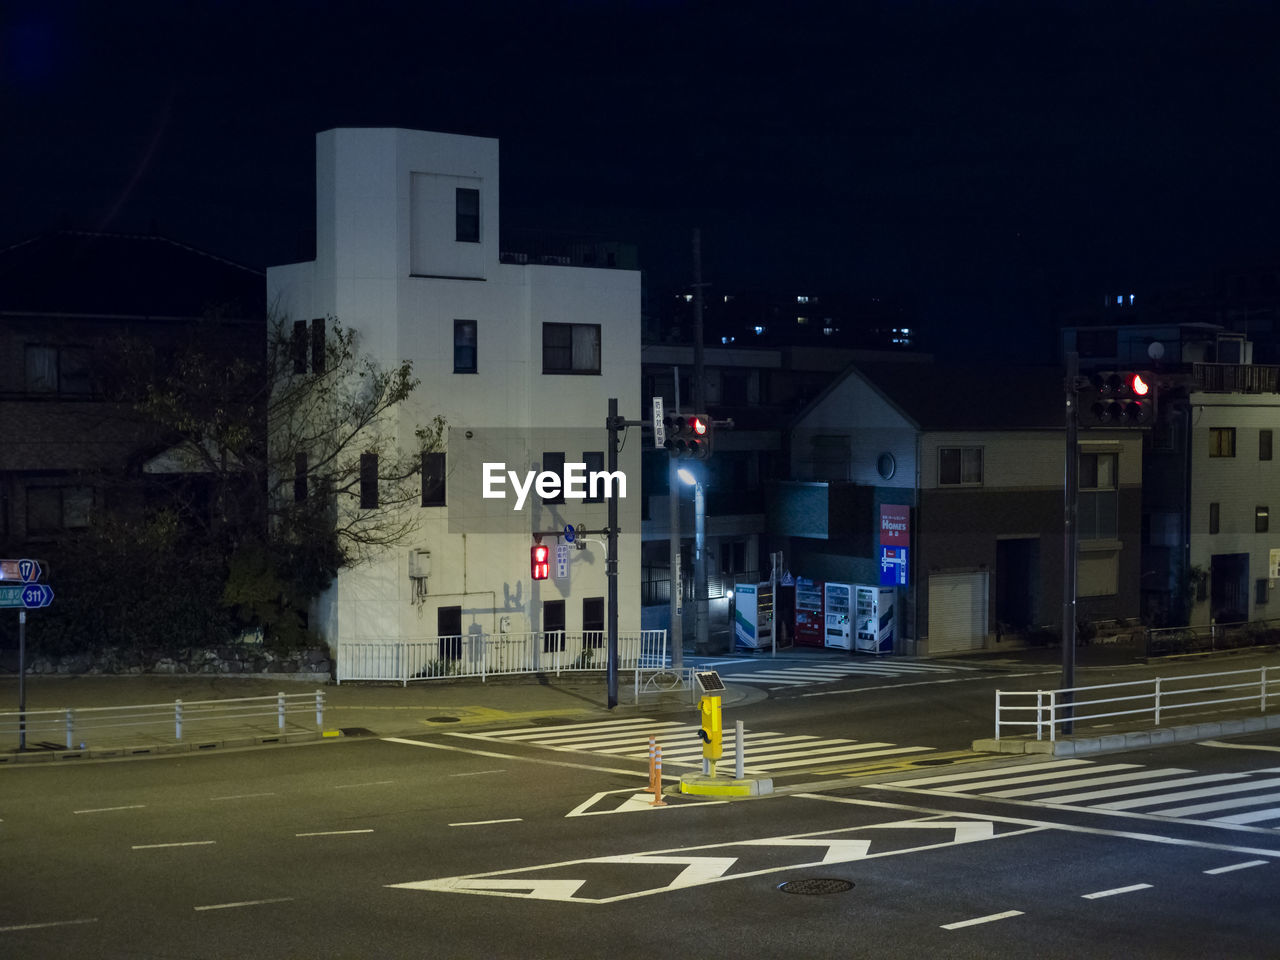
{"x": 698, "y": 426}
{"x": 1139, "y": 386}
{"x": 539, "y": 561}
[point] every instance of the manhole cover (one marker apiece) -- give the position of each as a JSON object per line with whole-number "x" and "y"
{"x": 815, "y": 886}
{"x": 548, "y": 721}
{"x": 443, "y": 719}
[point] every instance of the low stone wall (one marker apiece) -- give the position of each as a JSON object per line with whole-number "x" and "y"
{"x": 247, "y": 659}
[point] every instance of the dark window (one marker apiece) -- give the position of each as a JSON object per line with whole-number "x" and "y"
{"x": 449, "y": 632}
{"x": 368, "y": 481}
{"x": 1264, "y": 444}
{"x": 464, "y": 346}
{"x": 433, "y": 487}
{"x": 571, "y": 348}
{"x": 298, "y": 346}
{"x": 552, "y": 625}
{"x": 1213, "y": 518}
{"x": 594, "y": 459}
{"x": 553, "y": 462}
{"x": 63, "y": 370}
{"x": 468, "y": 215}
{"x": 1261, "y": 519}
{"x": 317, "y": 345}
{"x": 1098, "y": 504}
{"x": 1260, "y": 592}
{"x": 960, "y": 466}
{"x": 593, "y": 622}
{"x": 299, "y": 477}
{"x": 54, "y": 509}
{"x": 1222, "y": 441}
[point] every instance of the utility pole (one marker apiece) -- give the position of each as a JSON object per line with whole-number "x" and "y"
{"x": 676, "y": 600}
{"x": 1070, "y": 536}
{"x": 700, "y": 405}
{"x": 613, "y": 423}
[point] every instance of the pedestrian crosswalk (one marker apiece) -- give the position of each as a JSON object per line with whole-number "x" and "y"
{"x": 765, "y": 752}
{"x": 1249, "y": 798}
{"x": 807, "y": 674}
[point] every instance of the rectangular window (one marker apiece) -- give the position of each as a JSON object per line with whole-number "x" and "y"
{"x": 1213, "y": 518}
{"x": 1222, "y": 441}
{"x": 552, "y": 625}
{"x": 468, "y": 215}
{"x": 368, "y": 481}
{"x": 62, "y": 370}
{"x": 594, "y": 459}
{"x": 1260, "y": 590}
{"x": 299, "y": 477}
{"x": 553, "y": 462}
{"x": 298, "y": 346}
{"x": 317, "y": 345}
{"x": 1099, "y": 502}
{"x": 1264, "y": 444}
{"x": 55, "y": 509}
{"x": 1261, "y": 519}
{"x": 593, "y": 622}
{"x": 433, "y": 487}
{"x": 960, "y": 466}
{"x": 571, "y": 348}
{"x": 464, "y": 346}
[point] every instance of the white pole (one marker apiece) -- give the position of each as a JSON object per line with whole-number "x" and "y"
{"x": 742, "y": 750}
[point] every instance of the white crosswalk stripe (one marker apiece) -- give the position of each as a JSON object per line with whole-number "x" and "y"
{"x": 766, "y": 751}
{"x": 1237, "y": 798}
{"x": 809, "y": 674}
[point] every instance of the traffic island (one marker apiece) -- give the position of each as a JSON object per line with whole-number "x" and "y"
{"x": 705, "y": 785}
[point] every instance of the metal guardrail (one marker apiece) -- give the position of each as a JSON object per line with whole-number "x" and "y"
{"x": 77, "y": 727}
{"x": 486, "y": 655}
{"x": 1156, "y": 698}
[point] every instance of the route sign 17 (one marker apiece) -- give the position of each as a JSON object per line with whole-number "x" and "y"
{"x": 26, "y": 595}
{"x": 27, "y": 571}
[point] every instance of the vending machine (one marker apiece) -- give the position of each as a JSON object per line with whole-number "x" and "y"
{"x": 874, "y": 619}
{"x": 809, "y": 625}
{"x": 837, "y": 601}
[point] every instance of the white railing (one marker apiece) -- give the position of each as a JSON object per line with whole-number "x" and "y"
{"x": 80, "y": 727}
{"x": 1043, "y": 710}
{"x": 487, "y": 655}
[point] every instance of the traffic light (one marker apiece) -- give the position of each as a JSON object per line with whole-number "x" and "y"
{"x": 1125, "y": 399}
{"x": 688, "y": 437}
{"x": 539, "y": 561}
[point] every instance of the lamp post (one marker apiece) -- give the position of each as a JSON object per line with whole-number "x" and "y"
{"x": 699, "y": 560}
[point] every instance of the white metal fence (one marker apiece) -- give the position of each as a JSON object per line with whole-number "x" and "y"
{"x": 1042, "y": 711}
{"x": 83, "y": 727}
{"x": 486, "y": 655}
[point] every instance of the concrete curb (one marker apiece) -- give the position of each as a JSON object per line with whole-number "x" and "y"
{"x": 156, "y": 749}
{"x": 1134, "y": 740}
{"x": 698, "y": 784}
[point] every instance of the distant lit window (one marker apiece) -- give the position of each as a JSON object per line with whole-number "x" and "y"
{"x": 802, "y": 299}
{"x": 468, "y": 215}
{"x": 960, "y": 466}
{"x": 759, "y": 330}
{"x": 1131, "y": 299}
{"x": 1120, "y": 299}
{"x": 1222, "y": 441}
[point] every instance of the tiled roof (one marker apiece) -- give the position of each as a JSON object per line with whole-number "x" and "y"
{"x": 74, "y": 273}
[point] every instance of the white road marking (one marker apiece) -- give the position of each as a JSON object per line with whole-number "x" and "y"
{"x": 243, "y": 796}
{"x": 475, "y": 773}
{"x": 987, "y": 919}
{"x": 185, "y": 843}
{"x": 481, "y": 823}
{"x": 922, "y": 683}
{"x": 1238, "y": 866}
{"x": 50, "y": 923}
{"x": 333, "y": 833}
{"x": 371, "y": 783}
{"x": 510, "y": 756}
{"x": 1235, "y": 746}
{"x": 243, "y": 903}
{"x": 1118, "y": 890}
{"x": 132, "y": 806}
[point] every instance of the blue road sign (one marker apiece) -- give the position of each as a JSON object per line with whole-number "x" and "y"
{"x": 29, "y": 570}
{"x": 568, "y": 533}
{"x": 37, "y": 595}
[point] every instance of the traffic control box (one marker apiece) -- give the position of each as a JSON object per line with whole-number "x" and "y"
{"x": 712, "y": 732}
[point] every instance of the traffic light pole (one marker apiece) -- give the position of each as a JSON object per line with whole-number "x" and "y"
{"x": 1070, "y": 536}
{"x": 614, "y": 423}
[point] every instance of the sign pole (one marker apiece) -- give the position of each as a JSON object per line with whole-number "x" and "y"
{"x": 22, "y": 679}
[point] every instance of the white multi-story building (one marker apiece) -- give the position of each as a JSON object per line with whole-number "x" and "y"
{"x": 407, "y": 255}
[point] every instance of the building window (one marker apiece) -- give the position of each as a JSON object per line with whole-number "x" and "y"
{"x": 593, "y": 622}
{"x": 62, "y": 370}
{"x": 960, "y": 466}
{"x": 1261, "y": 519}
{"x": 553, "y": 462}
{"x": 594, "y": 460}
{"x": 368, "y": 481}
{"x": 571, "y": 348}
{"x": 433, "y": 486}
{"x": 1222, "y": 441}
{"x": 298, "y": 346}
{"x": 468, "y": 215}
{"x": 299, "y": 477}
{"x": 1264, "y": 444}
{"x": 1260, "y": 590}
{"x": 464, "y": 346}
{"x": 56, "y": 509}
{"x": 1098, "y": 502}
{"x": 317, "y": 345}
{"x": 1213, "y": 518}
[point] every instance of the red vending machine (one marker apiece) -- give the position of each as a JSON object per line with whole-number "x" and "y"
{"x": 810, "y": 624}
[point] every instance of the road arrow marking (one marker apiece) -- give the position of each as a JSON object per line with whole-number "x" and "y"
{"x": 698, "y": 870}
{"x": 838, "y": 851}
{"x": 491, "y": 886}
{"x": 633, "y": 804}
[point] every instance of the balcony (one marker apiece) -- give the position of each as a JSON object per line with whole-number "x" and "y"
{"x": 1235, "y": 378}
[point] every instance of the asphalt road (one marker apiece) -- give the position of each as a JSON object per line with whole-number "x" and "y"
{"x": 493, "y": 844}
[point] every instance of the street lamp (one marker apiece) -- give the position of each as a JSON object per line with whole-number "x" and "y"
{"x": 699, "y": 560}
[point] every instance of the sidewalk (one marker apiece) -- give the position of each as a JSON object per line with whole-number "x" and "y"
{"x": 350, "y": 709}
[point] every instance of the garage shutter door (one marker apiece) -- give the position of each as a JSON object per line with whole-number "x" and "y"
{"x": 957, "y": 612}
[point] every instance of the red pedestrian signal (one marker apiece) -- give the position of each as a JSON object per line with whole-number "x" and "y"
{"x": 539, "y": 561}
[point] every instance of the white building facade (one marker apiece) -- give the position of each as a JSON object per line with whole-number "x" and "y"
{"x": 407, "y": 255}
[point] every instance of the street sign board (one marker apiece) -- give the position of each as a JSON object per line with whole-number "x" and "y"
{"x": 659, "y": 429}
{"x": 25, "y": 595}
{"x": 562, "y": 561}
{"x": 23, "y": 570}
{"x": 568, "y": 533}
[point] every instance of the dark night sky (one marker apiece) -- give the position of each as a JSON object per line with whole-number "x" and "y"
{"x": 984, "y": 158}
